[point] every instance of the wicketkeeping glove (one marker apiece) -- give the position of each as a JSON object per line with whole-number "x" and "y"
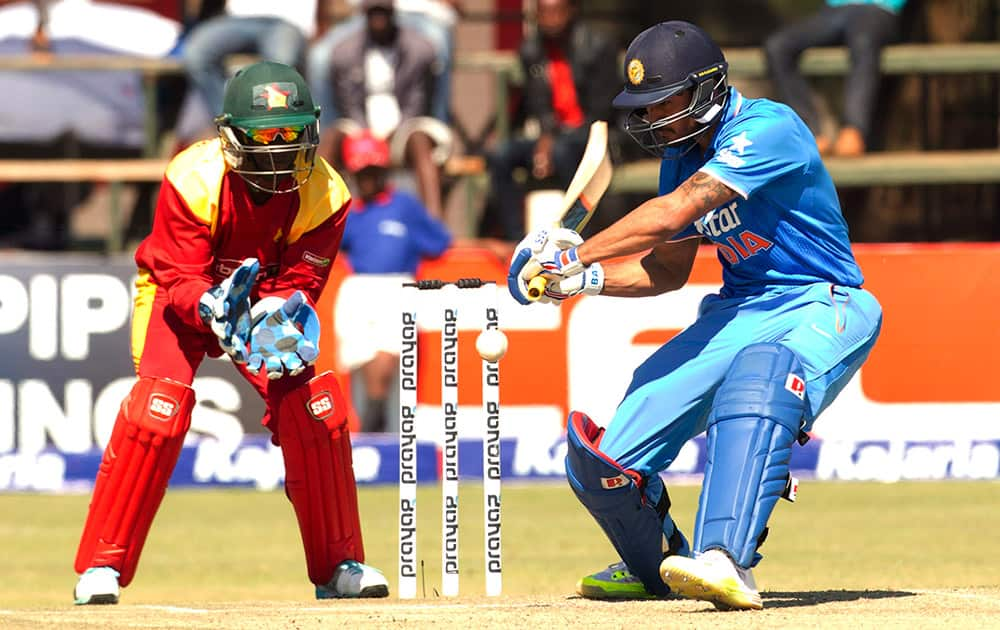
{"x": 225, "y": 308}
{"x": 543, "y": 252}
{"x": 284, "y": 337}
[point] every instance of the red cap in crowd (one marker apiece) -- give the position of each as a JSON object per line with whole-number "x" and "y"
{"x": 362, "y": 149}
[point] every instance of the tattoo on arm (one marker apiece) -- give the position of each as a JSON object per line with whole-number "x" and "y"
{"x": 706, "y": 192}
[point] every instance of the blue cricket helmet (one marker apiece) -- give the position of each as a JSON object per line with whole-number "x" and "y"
{"x": 665, "y": 60}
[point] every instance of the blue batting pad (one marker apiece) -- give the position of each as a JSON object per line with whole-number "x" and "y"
{"x": 614, "y": 498}
{"x": 755, "y": 419}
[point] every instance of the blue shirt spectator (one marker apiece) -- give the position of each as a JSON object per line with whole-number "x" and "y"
{"x": 391, "y": 233}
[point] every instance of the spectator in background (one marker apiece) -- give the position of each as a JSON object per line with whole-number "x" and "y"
{"x": 274, "y": 31}
{"x": 388, "y": 233}
{"x": 865, "y": 26}
{"x": 381, "y": 80}
{"x": 571, "y": 76}
{"x": 433, "y": 19}
{"x": 72, "y": 113}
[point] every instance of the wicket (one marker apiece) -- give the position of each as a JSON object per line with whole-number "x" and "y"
{"x": 449, "y": 298}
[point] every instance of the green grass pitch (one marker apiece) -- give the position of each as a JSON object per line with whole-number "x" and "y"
{"x": 232, "y": 545}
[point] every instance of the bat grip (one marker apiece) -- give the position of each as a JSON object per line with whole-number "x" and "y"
{"x": 536, "y": 286}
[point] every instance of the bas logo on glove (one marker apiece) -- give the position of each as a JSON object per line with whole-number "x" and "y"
{"x": 284, "y": 336}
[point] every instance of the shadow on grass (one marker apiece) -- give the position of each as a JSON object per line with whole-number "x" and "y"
{"x": 779, "y": 599}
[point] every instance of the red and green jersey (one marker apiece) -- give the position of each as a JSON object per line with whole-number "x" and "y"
{"x": 206, "y": 224}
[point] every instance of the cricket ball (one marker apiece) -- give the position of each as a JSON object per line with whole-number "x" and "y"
{"x": 491, "y": 344}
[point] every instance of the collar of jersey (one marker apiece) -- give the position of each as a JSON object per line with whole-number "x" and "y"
{"x": 382, "y": 197}
{"x": 733, "y": 107}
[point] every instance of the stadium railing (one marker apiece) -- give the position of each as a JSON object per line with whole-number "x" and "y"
{"x": 878, "y": 168}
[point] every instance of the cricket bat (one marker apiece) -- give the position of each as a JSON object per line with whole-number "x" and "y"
{"x": 585, "y": 190}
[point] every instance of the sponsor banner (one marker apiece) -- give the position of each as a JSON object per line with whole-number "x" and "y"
{"x": 925, "y": 401}
{"x": 256, "y": 463}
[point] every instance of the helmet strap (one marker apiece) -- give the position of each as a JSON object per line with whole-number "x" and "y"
{"x": 709, "y": 114}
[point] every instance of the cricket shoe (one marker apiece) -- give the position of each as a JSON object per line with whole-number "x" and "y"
{"x": 713, "y": 577}
{"x": 353, "y": 579}
{"x": 97, "y": 585}
{"x": 615, "y": 582}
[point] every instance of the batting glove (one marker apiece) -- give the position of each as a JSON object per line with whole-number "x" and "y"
{"x": 285, "y": 336}
{"x": 225, "y": 309}
{"x": 539, "y": 253}
{"x": 590, "y": 281}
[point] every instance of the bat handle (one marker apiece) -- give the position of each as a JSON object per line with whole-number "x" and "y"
{"x": 536, "y": 287}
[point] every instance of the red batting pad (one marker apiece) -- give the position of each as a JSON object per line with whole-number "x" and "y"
{"x": 319, "y": 475}
{"x": 132, "y": 479}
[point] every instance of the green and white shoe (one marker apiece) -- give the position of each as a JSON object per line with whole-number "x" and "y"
{"x": 712, "y": 577}
{"x": 615, "y": 582}
{"x": 353, "y": 579}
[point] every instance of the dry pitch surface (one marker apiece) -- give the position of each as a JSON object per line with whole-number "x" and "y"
{"x": 954, "y": 609}
{"x": 908, "y": 555}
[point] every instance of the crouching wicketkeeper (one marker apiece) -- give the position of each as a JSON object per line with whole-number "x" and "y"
{"x": 246, "y": 229}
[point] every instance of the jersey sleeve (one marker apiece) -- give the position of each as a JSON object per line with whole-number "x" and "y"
{"x": 431, "y": 236}
{"x": 350, "y": 231}
{"x": 756, "y": 150}
{"x": 178, "y": 254}
{"x": 672, "y": 174}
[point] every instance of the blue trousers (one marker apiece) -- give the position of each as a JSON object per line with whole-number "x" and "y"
{"x": 830, "y": 328}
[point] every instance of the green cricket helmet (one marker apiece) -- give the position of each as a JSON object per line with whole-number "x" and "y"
{"x": 269, "y": 127}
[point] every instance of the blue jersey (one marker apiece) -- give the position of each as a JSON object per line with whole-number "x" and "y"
{"x": 786, "y": 228}
{"x": 391, "y": 234}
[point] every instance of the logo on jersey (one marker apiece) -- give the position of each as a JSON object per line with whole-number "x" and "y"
{"x": 321, "y": 406}
{"x": 796, "y": 385}
{"x": 731, "y": 155}
{"x": 724, "y": 227}
{"x": 224, "y": 267}
{"x": 273, "y": 95}
{"x": 391, "y": 227}
{"x": 636, "y": 72}
{"x": 313, "y": 259}
{"x": 719, "y": 221}
{"x": 162, "y": 407}
{"x": 610, "y": 483}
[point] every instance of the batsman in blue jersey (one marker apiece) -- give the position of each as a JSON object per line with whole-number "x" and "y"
{"x": 765, "y": 356}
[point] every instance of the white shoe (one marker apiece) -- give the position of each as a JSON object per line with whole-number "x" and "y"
{"x": 714, "y": 577}
{"x": 353, "y": 579}
{"x": 97, "y": 585}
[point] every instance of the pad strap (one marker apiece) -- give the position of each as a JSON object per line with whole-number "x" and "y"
{"x": 615, "y": 497}
{"x": 132, "y": 478}
{"x": 756, "y": 417}
{"x": 319, "y": 475}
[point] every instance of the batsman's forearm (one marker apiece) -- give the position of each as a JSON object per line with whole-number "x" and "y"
{"x": 641, "y": 276}
{"x": 638, "y": 231}
{"x": 627, "y": 278}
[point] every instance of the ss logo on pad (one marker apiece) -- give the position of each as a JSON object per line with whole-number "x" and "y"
{"x": 320, "y": 405}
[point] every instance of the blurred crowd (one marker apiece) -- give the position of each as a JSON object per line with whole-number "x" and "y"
{"x": 381, "y": 71}
{"x": 382, "y": 67}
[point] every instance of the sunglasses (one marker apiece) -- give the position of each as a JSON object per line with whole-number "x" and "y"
{"x": 270, "y": 134}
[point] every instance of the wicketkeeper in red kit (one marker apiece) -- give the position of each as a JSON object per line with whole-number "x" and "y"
{"x": 246, "y": 229}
